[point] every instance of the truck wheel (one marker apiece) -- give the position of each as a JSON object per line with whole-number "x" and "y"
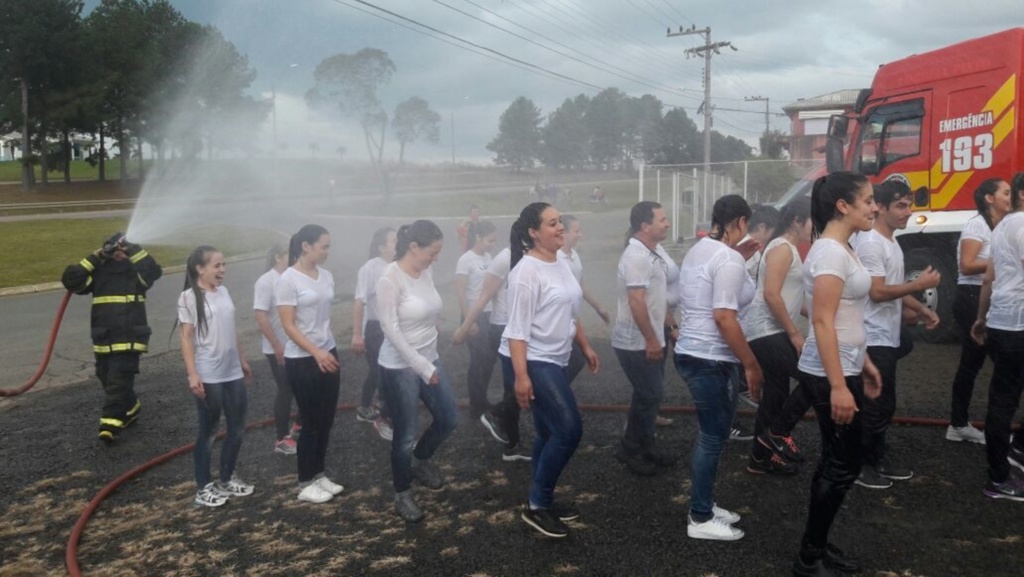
{"x": 938, "y": 299}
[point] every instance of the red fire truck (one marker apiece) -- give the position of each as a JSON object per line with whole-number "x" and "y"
{"x": 943, "y": 122}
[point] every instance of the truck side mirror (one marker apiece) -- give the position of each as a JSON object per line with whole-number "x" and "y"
{"x": 921, "y": 196}
{"x": 834, "y": 157}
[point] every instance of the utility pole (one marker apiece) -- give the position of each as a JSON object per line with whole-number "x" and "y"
{"x": 706, "y": 51}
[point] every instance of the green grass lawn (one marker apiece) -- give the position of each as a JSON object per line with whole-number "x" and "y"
{"x": 10, "y": 171}
{"x": 37, "y": 251}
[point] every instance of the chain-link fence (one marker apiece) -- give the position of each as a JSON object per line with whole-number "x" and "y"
{"x": 688, "y": 192}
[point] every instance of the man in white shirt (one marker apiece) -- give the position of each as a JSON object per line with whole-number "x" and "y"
{"x": 638, "y": 335}
{"x": 882, "y": 257}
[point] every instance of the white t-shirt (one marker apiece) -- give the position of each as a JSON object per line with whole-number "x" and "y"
{"x": 759, "y": 321}
{"x": 366, "y": 288}
{"x": 499, "y": 269}
{"x": 265, "y": 300}
{"x": 829, "y": 257}
{"x": 217, "y": 359}
{"x": 473, "y": 266}
{"x": 975, "y": 229}
{"x": 312, "y": 301}
{"x": 711, "y": 277}
{"x": 409, "y": 309}
{"x": 1007, "y": 307}
{"x": 881, "y": 257}
{"x": 671, "y": 277}
{"x": 543, "y": 303}
{"x": 574, "y": 262}
{"x": 639, "y": 268}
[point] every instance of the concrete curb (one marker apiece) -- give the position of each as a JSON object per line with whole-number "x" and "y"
{"x": 54, "y": 286}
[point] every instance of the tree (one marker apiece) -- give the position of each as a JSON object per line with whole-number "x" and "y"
{"x": 518, "y": 142}
{"x": 565, "y": 135}
{"x": 35, "y": 36}
{"x": 349, "y": 83}
{"x": 606, "y": 126}
{"x": 679, "y": 142}
{"x": 413, "y": 119}
{"x": 772, "y": 144}
{"x": 643, "y": 118}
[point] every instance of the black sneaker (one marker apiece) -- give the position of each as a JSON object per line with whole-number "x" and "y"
{"x": 1016, "y": 458}
{"x": 784, "y": 446}
{"x": 493, "y": 427}
{"x": 564, "y": 511}
{"x": 515, "y": 453}
{"x": 546, "y": 522}
{"x": 660, "y": 459}
{"x": 894, "y": 472}
{"x": 870, "y": 479}
{"x": 836, "y": 559}
{"x": 636, "y": 464}
{"x": 1012, "y": 489}
{"x": 428, "y": 475}
{"x": 738, "y": 433}
{"x": 775, "y": 465}
{"x": 816, "y": 569}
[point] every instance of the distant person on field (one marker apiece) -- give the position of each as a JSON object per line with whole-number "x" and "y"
{"x": 118, "y": 275}
{"x": 463, "y": 229}
{"x": 218, "y": 374}
{"x": 265, "y": 309}
{"x": 597, "y": 196}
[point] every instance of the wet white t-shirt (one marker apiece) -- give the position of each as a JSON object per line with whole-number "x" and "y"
{"x": 759, "y": 321}
{"x": 543, "y": 304}
{"x": 409, "y": 309}
{"x": 881, "y": 257}
{"x": 671, "y": 277}
{"x": 265, "y": 300}
{"x": 216, "y": 346}
{"x": 474, "y": 266}
{"x": 829, "y": 257}
{"x": 975, "y": 229}
{"x": 712, "y": 276}
{"x": 574, "y": 262}
{"x": 499, "y": 269}
{"x": 1006, "y": 311}
{"x": 366, "y": 288}
{"x": 639, "y": 268}
{"x": 312, "y": 301}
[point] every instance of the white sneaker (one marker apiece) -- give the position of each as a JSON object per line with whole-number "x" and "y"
{"x": 208, "y": 496}
{"x": 714, "y": 529}
{"x": 966, "y": 433}
{"x": 383, "y": 428}
{"x": 725, "y": 515}
{"x": 314, "y": 493}
{"x": 234, "y": 488}
{"x": 329, "y": 485}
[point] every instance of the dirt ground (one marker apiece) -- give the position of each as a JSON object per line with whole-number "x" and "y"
{"x": 937, "y": 524}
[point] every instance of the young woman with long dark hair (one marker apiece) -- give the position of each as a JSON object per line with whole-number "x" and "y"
{"x": 470, "y": 273}
{"x": 410, "y": 369}
{"x": 304, "y": 294}
{"x": 218, "y": 374}
{"x": 367, "y": 336}
{"x": 834, "y": 367}
{"x": 543, "y": 308}
{"x": 973, "y": 252}
{"x": 713, "y": 288}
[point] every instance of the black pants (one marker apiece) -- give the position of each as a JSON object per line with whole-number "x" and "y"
{"x": 876, "y": 414}
{"x": 373, "y": 337}
{"x": 647, "y": 378}
{"x": 576, "y": 362}
{"x": 316, "y": 394}
{"x": 483, "y": 352}
{"x": 839, "y": 465}
{"x": 1007, "y": 348}
{"x": 508, "y": 410}
{"x": 116, "y": 372}
{"x": 778, "y": 360}
{"x": 283, "y": 399}
{"x": 972, "y": 355}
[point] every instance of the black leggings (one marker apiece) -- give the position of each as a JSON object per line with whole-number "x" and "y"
{"x": 316, "y": 394}
{"x": 839, "y": 465}
{"x": 373, "y": 336}
{"x": 972, "y": 355}
{"x": 483, "y": 352}
{"x": 778, "y": 360}
{"x": 283, "y": 400}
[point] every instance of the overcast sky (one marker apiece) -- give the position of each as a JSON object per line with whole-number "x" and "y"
{"x": 786, "y": 50}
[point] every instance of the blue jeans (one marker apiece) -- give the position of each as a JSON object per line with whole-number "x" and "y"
{"x": 231, "y": 398}
{"x": 558, "y": 425}
{"x": 713, "y": 387}
{"x": 401, "y": 389}
{"x": 647, "y": 378}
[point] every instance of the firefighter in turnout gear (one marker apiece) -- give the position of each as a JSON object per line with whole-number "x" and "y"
{"x": 117, "y": 276}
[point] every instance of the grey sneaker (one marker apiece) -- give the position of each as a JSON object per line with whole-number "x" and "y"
{"x": 367, "y": 414}
{"x": 870, "y": 479}
{"x": 428, "y": 475}
{"x": 966, "y": 433}
{"x": 407, "y": 508}
{"x": 1012, "y": 489}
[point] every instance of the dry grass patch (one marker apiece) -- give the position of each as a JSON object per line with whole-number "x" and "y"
{"x": 392, "y": 562}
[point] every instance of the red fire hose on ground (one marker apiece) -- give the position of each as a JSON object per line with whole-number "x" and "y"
{"x": 71, "y": 552}
{"x": 46, "y": 354}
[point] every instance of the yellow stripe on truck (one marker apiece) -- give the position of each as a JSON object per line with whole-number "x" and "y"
{"x": 1003, "y": 128}
{"x": 1003, "y": 97}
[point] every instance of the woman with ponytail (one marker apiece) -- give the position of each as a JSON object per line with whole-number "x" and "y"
{"x": 218, "y": 374}
{"x": 835, "y": 369}
{"x": 367, "y": 336}
{"x": 410, "y": 369}
{"x": 304, "y": 294}
{"x": 274, "y": 339}
{"x": 714, "y": 287}
{"x": 573, "y": 235}
{"x": 543, "y": 309}
{"x": 973, "y": 252}
{"x": 470, "y": 272}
